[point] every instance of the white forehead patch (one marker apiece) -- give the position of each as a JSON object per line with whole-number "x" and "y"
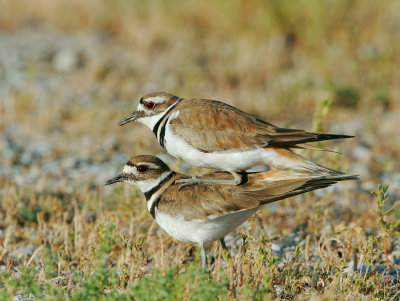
{"x": 130, "y": 170}
{"x": 140, "y": 107}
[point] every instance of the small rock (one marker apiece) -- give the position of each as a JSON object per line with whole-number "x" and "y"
{"x": 276, "y": 249}
{"x": 24, "y": 297}
{"x": 22, "y": 252}
{"x": 66, "y": 60}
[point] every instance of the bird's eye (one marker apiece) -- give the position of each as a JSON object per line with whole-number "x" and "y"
{"x": 150, "y": 105}
{"x": 142, "y": 168}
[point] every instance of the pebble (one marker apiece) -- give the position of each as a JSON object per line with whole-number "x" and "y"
{"x": 22, "y": 252}
{"x": 24, "y": 297}
{"x": 66, "y": 60}
{"x": 276, "y": 248}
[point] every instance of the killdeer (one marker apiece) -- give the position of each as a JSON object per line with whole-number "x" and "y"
{"x": 211, "y": 134}
{"x": 203, "y": 213}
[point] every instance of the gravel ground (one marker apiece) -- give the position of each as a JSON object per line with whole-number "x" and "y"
{"x": 61, "y": 97}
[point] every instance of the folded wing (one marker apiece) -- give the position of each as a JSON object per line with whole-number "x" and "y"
{"x": 215, "y": 126}
{"x": 205, "y": 200}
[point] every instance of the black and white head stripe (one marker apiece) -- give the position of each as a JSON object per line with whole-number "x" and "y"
{"x": 153, "y": 195}
{"x": 132, "y": 168}
{"x": 159, "y": 127}
{"x": 144, "y": 181}
{"x": 157, "y": 117}
{"x": 161, "y": 180}
{"x": 157, "y": 99}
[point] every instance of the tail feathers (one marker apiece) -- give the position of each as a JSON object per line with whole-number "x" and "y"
{"x": 310, "y": 185}
{"x": 312, "y": 147}
{"x": 313, "y": 167}
{"x": 323, "y": 137}
{"x": 290, "y": 137}
{"x": 286, "y": 158}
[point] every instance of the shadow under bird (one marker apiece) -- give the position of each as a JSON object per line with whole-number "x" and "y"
{"x": 202, "y": 213}
{"x": 212, "y": 134}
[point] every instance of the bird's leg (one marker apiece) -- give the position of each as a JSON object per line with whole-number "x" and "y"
{"x": 237, "y": 180}
{"x": 236, "y": 177}
{"x": 204, "y": 261}
{"x": 223, "y": 244}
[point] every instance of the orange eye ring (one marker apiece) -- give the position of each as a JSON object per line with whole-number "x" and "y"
{"x": 142, "y": 168}
{"x": 150, "y": 105}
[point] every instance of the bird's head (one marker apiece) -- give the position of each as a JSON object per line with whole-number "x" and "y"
{"x": 143, "y": 171}
{"x": 151, "y": 108}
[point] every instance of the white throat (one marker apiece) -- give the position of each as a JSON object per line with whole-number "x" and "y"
{"x": 151, "y": 121}
{"x": 149, "y": 184}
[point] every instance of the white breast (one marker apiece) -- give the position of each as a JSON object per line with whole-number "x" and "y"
{"x": 201, "y": 231}
{"x": 226, "y": 160}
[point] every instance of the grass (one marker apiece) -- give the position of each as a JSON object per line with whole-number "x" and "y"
{"x": 318, "y": 65}
{"x": 81, "y": 259}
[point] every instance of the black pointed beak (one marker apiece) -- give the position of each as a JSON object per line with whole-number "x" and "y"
{"x": 119, "y": 178}
{"x": 127, "y": 119}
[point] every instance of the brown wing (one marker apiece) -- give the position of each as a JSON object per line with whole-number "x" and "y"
{"x": 271, "y": 186}
{"x": 215, "y": 126}
{"x": 201, "y": 201}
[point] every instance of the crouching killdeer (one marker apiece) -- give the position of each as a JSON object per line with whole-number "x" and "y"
{"x": 212, "y": 134}
{"x": 202, "y": 213}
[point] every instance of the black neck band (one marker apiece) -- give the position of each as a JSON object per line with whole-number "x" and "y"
{"x": 149, "y": 194}
{"x": 157, "y": 125}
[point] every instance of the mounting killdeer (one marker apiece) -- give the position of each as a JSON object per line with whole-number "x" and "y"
{"x": 212, "y": 134}
{"x": 202, "y": 213}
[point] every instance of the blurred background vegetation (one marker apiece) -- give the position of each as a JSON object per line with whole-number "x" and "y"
{"x": 69, "y": 70}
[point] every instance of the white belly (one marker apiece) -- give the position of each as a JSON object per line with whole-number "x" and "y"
{"x": 225, "y": 160}
{"x": 199, "y": 231}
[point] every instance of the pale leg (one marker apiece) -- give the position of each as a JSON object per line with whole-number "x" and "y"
{"x": 223, "y": 244}
{"x": 204, "y": 261}
{"x": 237, "y": 179}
